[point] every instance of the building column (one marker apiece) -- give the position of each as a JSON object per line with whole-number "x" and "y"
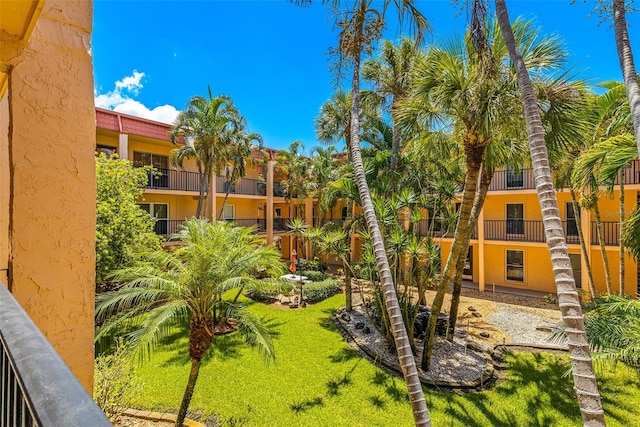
{"x": 270, "y": 167}
{"x": 52, "y": 182}
{"x": 212, "y": 207}
{"x": 308, "y": 218}
{"x": 481, "y": 280}
{"x": 123, "y": 146}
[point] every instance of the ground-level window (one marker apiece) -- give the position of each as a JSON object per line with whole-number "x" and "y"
{"x": 515, "y": 218}
{"x": 229, "y": 212}
{"x": 159, "y": 211}
{"x": 515, "y": 265}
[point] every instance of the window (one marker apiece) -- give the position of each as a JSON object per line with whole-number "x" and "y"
{"x": 278, "y": 212}
{"x": 229, "y": 213}
{"x": 159, "y": 211}
{"x": 515, "y": 266}
{"x": 515, "y": 218}
{"x": 572, "y": 226}
{"x": 160, "y": 179}
{"x": 515, "y": 179}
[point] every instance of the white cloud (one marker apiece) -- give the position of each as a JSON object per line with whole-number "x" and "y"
{"x": 120, "y": 100}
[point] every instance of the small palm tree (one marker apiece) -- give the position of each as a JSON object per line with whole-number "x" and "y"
{"x": 185, "y": 288}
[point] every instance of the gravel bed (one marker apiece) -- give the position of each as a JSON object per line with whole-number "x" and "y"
{"x": 451, "y": 362}
{"x": 522, "y": 326}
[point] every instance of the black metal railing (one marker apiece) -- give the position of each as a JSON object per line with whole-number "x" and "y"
{"x": 278, "y": 189}
{"x": 526, "y": 231}
{"x": 36, "y": 387}
{"x": 437, "y": 228}
{"x": 167, "y": 227}
{"x": 260, "y": 224}
{"x": 512, "y": 180}
{"x": 169, "y": 179}
{"x": 281, "y": 224}
{"x": 610, "y": 230}
{"x": 253, "y": 187}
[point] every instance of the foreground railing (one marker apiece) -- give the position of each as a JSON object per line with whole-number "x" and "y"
{"x": 36, "y": 387}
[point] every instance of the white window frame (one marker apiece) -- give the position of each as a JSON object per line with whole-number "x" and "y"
{"x": 507, "y": 265}
{"x": 225, "y": 212}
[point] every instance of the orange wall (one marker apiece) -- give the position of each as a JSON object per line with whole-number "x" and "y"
{"x": 52, "y": 220}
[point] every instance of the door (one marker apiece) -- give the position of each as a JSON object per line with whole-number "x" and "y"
{"x": 576, "y": 266}
{"x": 467, "y": 273}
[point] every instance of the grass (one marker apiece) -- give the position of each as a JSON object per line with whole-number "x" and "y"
{"x": 319, "y": 380}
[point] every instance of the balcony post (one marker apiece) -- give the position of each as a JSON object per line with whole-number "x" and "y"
{"x": 269, "y": 209}
{"x": 585, "y": 223}
{"x": 481, "y": 280}
{"x": 123, "y": 145}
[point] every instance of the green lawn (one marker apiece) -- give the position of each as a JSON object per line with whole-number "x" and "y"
{"x": 319, "y": 380}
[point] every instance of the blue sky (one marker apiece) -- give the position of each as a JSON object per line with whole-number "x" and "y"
{"x": 151, "y": 57}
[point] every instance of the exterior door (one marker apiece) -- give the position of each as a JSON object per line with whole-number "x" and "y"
{"x": 576, "y": 266}
{"x": 467, "y": 273}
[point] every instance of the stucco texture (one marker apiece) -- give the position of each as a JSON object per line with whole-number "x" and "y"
{"x": 52, "y": 223}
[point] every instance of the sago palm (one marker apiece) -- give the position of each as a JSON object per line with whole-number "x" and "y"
{"x": 185, "y": 289}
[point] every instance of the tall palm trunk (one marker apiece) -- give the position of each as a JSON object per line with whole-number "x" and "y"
{"x": 621, "y": 244}
{"x": 474, "y": 154}
{"x": 582, "y": 367}
{"x": 201, "y": 190}
{"x": 345, "y": 263}
{"x": 403, "y": 347}
{"x": 603, "y": 248}
{"x": 395, "y": 141}
{"x": 226, "y": 196}
{"x": 485, "y": 181}
{"x": 583, "y": 244}
{"x": 627, "y": 65}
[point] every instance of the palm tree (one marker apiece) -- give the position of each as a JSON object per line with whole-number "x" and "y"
{"x": 568, "y": 298}
{"x": 360, "y": 27}
{"x": 324, "y": 166}
{"x": 391, "y": 75}
{"x": 296, "y": 168}
{"x": 208, "y": 125}
{"x": 185, "y": 288}
{"x": 623, "y": 45}
{"x": 237, "y": 156}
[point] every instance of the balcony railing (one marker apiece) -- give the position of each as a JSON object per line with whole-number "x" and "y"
{"x": 36, "y": 387}
{"x": 260, "y": 224}
{"x": 611, "y": 231}
{"x": 169, "y": 179}
{"x": 278, "y": 191}
{"x": 510, "y": 180}
{"x": 281, "y": 224}
{"x": 439, "y": 229}
{"x": 525, "y": 231}
{"x": 248, "y": 186}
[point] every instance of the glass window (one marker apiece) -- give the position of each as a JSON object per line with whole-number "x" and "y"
{"x": 229, "y": 212}
{"x": 160, "y": 212}
{"x": 515, "y": 179}
{"x": 515, "y": 218}
{"x": 515, "y": 266}
{"x": 572, "y": 227}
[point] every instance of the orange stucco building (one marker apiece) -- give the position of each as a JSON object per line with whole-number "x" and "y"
{"x": 47, "y": 172}
{"x": 507, "y": 249}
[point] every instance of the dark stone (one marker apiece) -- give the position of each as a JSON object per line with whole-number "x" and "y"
{"x": 359, "y": 325}
{"x": 422, "y": 320}
{"x": 345, "y": 317}
{"x": 366, "y": 330}
{"x": 476, "y": 314}
{"x": 471, "y": 308}
{"x": 484, "y": 334}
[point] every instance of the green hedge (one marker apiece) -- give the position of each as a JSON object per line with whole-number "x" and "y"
{"x": 314, "y": 276}
{"x": 318, "y": 291}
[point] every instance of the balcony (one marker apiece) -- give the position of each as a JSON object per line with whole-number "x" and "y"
{"x": 169, "y": 179}
{"x": 610, "y": 230}
{"x": 278, "y": 191}
{"x": 252, "y": 187}
{"x": 525, "y": 231}
{"x": 319, "y": 222}
{"x": 439, "y": 230}
{"x": 36, "y": 387}
{"x": 504, "y": 180}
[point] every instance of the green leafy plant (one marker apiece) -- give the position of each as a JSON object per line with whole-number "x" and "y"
{"x": 318, "y": 291}
{"x": 115, "y": 382}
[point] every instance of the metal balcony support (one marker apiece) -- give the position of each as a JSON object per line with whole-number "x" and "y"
{"x": 36, "y": 387}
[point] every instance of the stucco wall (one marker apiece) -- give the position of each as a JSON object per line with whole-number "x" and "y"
{"x": 4, "y": 188}
{"x": 52, "y": 225}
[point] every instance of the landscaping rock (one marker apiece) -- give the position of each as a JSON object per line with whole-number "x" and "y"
{"x": 471, "y": 308}
{"x": 345, "y": 317}
{"x": 366, "y": 330}
{"x": 484, "y": 334}
{"x": 476, "y": 314}
{"x": 359, "y": 325}
{"x": 423, "y": 319}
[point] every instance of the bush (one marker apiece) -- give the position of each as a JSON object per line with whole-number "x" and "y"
{"x": 314, "y": 276}
{"x": 268, "y": 293}
{"x": 318, "y": 291}
{"x": 115, "y": 384}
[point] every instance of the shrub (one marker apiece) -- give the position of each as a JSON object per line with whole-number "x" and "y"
{"x": 314, "y": 276}
{"x": 115, "y": 384}
{"x": 262, "y": 295}
{"x": 318, "y": 291}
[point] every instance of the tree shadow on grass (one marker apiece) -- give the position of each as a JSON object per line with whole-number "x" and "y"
{"x": 345, "y": 354}
{"x": 538, "y": 381}
{"x": 334, "y": 387}
{"x": 393, "y": 388}
{"x": 618, "y": 405}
